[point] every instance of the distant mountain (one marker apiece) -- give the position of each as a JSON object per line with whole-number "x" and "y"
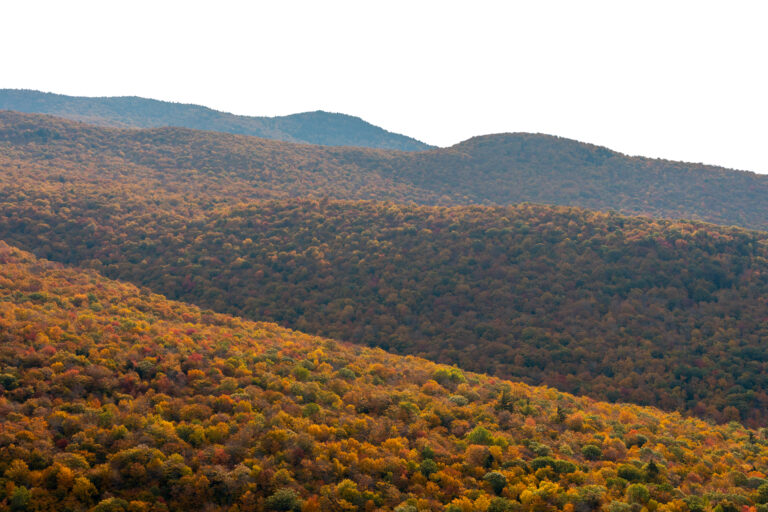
{"x": 511, "y": 168}
{"x": 494, "y": 169}
{"x": 325, "y": 128}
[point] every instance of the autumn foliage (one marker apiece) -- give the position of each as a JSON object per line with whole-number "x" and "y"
{"x": 496, "y": 169}
{"x": 116, "y": 399}
{"x": 654, "y": 312}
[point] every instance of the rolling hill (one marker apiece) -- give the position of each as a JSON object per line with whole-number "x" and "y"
{"x": 666, "y": 313}
{"x": 116, "y": 399}
{"x": 496, "y": 170}
{"x": 318, "y": 127}
{"x": 677, "y": 309}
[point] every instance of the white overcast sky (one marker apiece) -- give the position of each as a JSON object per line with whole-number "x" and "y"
{"x": 670, "y": 79}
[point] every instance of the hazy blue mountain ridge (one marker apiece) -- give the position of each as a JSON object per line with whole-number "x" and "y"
{"x": 319, "y": 127}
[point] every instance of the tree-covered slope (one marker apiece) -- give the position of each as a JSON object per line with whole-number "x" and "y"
{"x": 512, "y": 168}
{"x": 116, "y": 399}
{"x": 499, "y": 169}
{"x": 133, "y": 112}
{"x": 666, "y": 313}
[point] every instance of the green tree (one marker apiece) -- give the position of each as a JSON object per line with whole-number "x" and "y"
{"x": 496, "y": 480}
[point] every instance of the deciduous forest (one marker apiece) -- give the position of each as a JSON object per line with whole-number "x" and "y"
{"x": 654, "y": 312}
{"x": 496, "y": 170}
{"x": 402, "y": 273}
{"x": 116, "y": 399}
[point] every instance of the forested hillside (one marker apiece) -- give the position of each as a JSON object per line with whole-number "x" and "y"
{"x": 499, "y": 169}
{"x": 115, "y": 399}
{"x": 133, "y": 112}
{"x": 668, "y": 313}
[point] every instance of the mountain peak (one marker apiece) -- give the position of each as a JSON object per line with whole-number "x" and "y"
{"x": 317, "y": 127}
{"x": 546, "y": 150}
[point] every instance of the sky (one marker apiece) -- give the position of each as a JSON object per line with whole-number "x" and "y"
{"x": 683, "y": 80}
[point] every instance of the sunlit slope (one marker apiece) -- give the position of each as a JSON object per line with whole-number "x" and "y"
{"x": 497, "y": 169}
{"x": 114, "y": 397}
{"x": 663, "y": 313}
{"x": 318, "y": 127}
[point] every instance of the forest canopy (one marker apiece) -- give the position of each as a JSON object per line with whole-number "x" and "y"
{"x": 654, "y": 312}
{"x": 499, "y": 169}
{"x": 115, "y": 399}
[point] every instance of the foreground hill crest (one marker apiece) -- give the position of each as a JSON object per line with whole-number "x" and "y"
{"x": 115, "y": 399}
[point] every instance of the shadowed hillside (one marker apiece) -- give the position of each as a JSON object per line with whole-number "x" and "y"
{"x": 655, "y": 312}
